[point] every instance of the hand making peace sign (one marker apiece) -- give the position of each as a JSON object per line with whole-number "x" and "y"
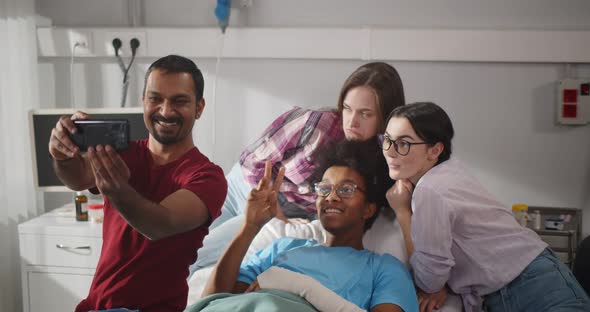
{"x": 262, "y": 202}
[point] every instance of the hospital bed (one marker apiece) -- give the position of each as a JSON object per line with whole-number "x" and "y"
{"x": 385, "y": 236}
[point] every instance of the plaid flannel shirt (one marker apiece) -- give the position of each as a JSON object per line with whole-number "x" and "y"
{"x": 291, "y": 141}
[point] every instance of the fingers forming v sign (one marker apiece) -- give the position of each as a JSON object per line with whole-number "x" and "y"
{"x": 262, "y": 202}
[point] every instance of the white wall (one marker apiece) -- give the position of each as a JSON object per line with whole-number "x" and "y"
{"x": 478, "y": 14}
{"x": 503, "y": 113}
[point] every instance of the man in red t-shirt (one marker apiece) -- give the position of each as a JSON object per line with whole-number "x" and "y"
{"x": 160, "y": 194}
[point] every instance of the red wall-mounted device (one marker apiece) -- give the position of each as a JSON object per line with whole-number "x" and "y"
{"x": 573, "y": 102}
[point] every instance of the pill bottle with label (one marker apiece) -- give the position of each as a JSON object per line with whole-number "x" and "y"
{"x": 520, "y": 212}
{"x": 81, "y": 206}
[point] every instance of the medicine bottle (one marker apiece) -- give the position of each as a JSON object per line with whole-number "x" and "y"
{"x": 95, "y": 213}
{"x": 520, "y": 212}
{"x": 81, "y": 206}
{"x": 536, "y": 216}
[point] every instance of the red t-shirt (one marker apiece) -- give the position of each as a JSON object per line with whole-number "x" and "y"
{"x": 136, "y": 273}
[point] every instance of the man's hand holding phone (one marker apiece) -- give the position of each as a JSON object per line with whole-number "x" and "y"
{"x": 61, "y": 146}
{"x": 77, "y": 133}
{"x": 108, "y": 169}
{"x": 95, "y": 132}
{"x": 111, "y": 174}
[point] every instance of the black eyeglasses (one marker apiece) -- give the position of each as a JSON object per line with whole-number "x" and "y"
{"x": 402, "y": 147}
{"x": 344, "y": 190}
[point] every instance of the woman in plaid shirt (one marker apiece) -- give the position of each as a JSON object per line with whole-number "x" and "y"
{"x": 367, "y": 97}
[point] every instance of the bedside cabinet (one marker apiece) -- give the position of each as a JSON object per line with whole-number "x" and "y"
{"x": 58, "y": 259}
{"x": 562, "y": 242}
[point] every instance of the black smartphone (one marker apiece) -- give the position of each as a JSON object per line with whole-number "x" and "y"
{"x": 114, "y": 132}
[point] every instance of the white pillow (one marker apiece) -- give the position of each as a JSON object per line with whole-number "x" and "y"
{"x": 273, "y": 230}
{"x": 196, "y": 284}
{"x": 276, "y": 229}
{"x": 385, "y": 236}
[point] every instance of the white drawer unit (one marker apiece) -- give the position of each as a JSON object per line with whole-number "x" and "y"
{"x": 564, "y": 241}
{"x": 60, "y": 251}
{"x": 58, "y": 259}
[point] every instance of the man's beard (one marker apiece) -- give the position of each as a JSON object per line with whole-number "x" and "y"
{"x": 166, "y": 140}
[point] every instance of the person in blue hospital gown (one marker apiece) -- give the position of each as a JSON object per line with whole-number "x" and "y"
{"x": 347, "y": 206}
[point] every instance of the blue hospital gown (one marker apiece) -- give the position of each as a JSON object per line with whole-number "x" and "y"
{"x": 359, "y": 276}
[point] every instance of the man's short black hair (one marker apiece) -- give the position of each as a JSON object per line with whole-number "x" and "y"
{"x": 178, "y": 64}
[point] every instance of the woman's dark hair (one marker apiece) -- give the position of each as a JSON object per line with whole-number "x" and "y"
{"x": 178, "y": 64}
{"x": 430, "y": 122}
{"x": 367, "y": 159}
{"x": 385, "y": 82}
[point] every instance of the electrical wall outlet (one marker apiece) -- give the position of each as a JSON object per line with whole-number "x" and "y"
{"x": 82, "y": 40}
{"x": 241, "y": 4}
{"x": 125, "y": 37}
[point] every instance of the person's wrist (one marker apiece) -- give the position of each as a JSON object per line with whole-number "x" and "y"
{"x": 251, "y": 228}
{"x": 63, "y": 161}
{"x": 123, "y": 192}
{"x": 403, "y": 213}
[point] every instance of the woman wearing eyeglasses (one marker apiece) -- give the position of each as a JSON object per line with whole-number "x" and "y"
{"x": 338, "y": 275}
{"x": 457, "y": 234}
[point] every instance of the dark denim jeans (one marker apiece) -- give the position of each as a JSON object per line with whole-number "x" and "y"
{"x": 546, "y": 284}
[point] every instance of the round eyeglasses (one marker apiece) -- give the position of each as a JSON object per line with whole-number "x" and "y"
{"x": 344, "y": 190}
{"x": 401, "y": 147}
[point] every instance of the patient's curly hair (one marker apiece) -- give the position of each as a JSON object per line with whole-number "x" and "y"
{"x": 367, "y": 159}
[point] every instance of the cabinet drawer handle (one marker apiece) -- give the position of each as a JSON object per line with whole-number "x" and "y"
{"x": 60, "y": 246}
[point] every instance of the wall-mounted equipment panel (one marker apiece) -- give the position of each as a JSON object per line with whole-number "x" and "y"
{"x": 573, "y": 102}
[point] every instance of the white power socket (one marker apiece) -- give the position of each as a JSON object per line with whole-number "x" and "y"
{"x": 241, "y": 4}
{"x": 82, "y": 40}
{"x": 125, "y": 37}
